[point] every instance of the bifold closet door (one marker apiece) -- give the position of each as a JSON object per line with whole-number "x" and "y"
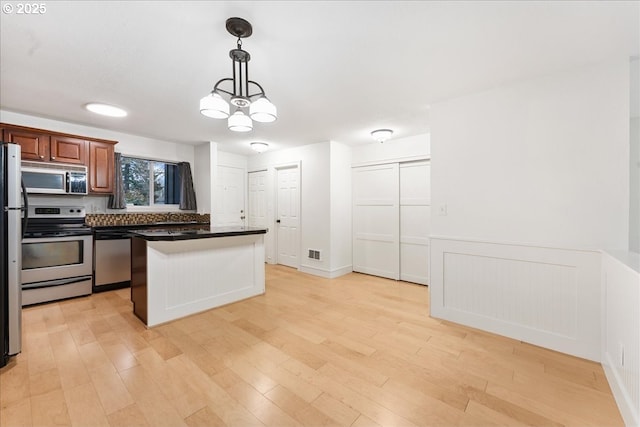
{"x": 415, "y": 218}
{"x": 376, "y": 237}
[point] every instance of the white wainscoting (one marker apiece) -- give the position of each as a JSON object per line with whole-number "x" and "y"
{"x": 621, "y": 335}
{"x": 544, "y": 296}
{"x": 189, "y": 276}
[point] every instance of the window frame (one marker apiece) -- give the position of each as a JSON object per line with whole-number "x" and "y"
{"x": 152, "y": 207}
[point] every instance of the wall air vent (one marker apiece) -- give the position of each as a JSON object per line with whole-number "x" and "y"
{"x": 314, "y": 254}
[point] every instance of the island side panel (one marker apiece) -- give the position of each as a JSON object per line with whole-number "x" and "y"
{"x": 189, "y": 276}
{"x": 139, "y": 278}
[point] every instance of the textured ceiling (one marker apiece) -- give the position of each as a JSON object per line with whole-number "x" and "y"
{"x": 335, "y": 69}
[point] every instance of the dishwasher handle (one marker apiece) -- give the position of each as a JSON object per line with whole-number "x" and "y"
{"x": 112, "y": 235}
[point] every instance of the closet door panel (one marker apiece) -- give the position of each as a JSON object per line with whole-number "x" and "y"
{"x": 415, "y": 219}
{"x": 376, "y": 237}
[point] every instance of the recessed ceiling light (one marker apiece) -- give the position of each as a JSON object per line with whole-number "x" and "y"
{"x": 105, "y": 109}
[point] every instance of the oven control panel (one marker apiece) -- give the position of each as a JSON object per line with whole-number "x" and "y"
{"x": 36, "y": 211}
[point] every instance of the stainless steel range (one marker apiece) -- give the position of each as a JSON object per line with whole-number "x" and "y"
{"x": 57, "y": 254}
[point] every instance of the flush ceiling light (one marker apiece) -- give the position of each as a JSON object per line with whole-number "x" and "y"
{"x": 260, "y": 147}
{"x": 381, "y": 135}
{"x": 105, "y": 109}
{"x": 216, "y": 106}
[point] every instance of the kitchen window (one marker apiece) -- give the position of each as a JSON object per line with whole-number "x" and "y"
{"x": 150, "y": 182}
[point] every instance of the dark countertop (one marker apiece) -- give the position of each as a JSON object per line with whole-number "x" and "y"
{"x": 203, "y": 232}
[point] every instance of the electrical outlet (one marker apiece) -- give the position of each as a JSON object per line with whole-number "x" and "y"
{"x": 442, "y": 209}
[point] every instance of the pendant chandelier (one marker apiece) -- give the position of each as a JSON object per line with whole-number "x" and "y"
{"x": 239, "y": 89}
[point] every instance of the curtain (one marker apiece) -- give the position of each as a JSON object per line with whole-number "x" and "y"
{"x": 116, "y": 200}
{"x": 187, "y": 192}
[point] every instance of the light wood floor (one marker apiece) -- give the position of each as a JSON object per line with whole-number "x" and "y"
{"x": 354, "y": 351}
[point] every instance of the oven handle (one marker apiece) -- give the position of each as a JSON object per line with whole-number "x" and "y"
{"x": 54, "y": 239}
{"x": 57, "y": 282}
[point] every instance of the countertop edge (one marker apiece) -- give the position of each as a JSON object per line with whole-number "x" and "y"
{"x": 157, "y": 237}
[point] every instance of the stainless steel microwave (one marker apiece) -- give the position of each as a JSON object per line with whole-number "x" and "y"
{"x": 54, "y": 178}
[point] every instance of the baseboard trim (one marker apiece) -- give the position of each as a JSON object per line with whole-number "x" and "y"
{"x": 327, "y": 274}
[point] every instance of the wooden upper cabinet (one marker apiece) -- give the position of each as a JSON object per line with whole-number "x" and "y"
{"x": 65, "y": 149}
{"x": 101, "y": 167}
{"x": 34, "y": 146}
{"x": 45, "y": 146}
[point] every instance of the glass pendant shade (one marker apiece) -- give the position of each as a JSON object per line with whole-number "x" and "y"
{"x": 262, "y": 110}
{"x": 214, "y": 106}
{"x": 239, "y": 122}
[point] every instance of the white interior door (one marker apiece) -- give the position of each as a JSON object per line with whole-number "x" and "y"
{"x": 376, "y": 237}
{"x": 288, "y": 216}
{"x": 258, "y": 199}
{"x": 415, "y": 219}
{"x": 228, "y": 206}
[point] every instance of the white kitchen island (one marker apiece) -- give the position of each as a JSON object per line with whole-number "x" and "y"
{"x": 176, "y": 273}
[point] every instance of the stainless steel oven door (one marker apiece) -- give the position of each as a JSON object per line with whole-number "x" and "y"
{"x": 52, "y": 258}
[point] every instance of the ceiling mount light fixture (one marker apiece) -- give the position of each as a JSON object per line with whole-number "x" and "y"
{"x": 260, "y": 108}
{"x": 381, "y": 135}
{"x": 260, "y": 147}
{"x": 105, "y": 109}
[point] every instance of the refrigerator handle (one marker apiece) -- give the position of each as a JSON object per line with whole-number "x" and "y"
{"x": 25, "y": 208}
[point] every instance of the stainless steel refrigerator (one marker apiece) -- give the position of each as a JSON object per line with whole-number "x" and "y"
{"x": 10, "y": 252}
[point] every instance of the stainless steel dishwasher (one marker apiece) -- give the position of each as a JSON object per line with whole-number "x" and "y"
{"x": 112, "y": 259}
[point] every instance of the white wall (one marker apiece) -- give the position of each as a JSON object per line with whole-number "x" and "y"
{"x": 205, "y": 155}
{"x": 340, "y": 210}
{"x": 535, "y": 165}
{"x": 634, "y": 158}
{"x": 634, "y": 184}
{"x": 131, "y": 145}
{"x": 409, "y": 148}
{"x": 232, "y": 160}
{"x": 543, "y": 161}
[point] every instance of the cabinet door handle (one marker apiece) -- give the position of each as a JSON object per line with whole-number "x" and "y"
{"x": 53, "y": 157}
{"x": 42, "y": 157}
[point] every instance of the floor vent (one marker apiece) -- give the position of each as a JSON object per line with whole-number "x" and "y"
{"x": 314, "y": 254}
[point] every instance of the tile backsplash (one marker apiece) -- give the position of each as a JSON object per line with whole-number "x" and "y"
{"x": 95, "y": 220}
